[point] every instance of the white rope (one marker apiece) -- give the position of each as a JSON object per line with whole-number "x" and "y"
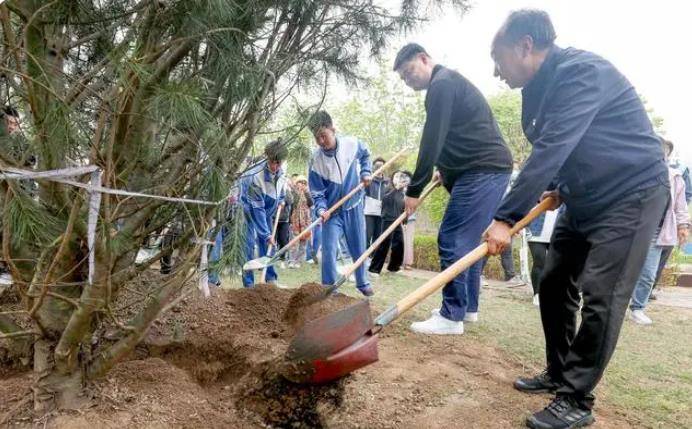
{"x": 95, "y": 189}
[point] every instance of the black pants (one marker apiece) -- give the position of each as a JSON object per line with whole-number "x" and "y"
{"x": 507, "y": 262}
{"x": 538, "y": 253}
{"x": 283, "y": 236}
{"x": 396, "y": 241}
{"x": 605, "y": 255}
{"x": 373, "y": 229}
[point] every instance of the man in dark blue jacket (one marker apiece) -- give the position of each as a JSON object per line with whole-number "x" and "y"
{"x": 463, "y": 141}
{"x": 595, "y": 150}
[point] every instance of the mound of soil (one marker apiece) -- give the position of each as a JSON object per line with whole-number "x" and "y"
{"x": 238, "y": 338}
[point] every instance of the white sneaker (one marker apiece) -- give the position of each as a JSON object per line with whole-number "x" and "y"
{"x": 515, "y": 281}
{"x": 282, "y": 265}
{"x": 438, "y": 325}
{"x": 373, "y": 274}
{"x": 536, "y": 301}
{"x": 638, "y": 316}
{"x": 310, "y": 261}
{"x": 6, "y": 279}
{"x": 470, "y": 316}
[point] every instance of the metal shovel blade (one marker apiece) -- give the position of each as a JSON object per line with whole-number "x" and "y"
{"x": 332, "y": 346}
{"x": 257, "y": 264}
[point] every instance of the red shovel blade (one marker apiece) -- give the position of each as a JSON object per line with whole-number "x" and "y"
{"x": 359, "y": 354}
{"x": 332, "y": 346}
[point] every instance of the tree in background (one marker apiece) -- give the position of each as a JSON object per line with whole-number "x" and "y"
{"x": 166, "y": 98}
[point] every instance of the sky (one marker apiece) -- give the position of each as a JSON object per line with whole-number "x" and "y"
{"x": 648, "y": 41}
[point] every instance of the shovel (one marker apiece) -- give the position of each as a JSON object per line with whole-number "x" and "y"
{"x": 352, "y": 268}
{"x": 332, "y": 346}
{"x": 265, "y": 261}
{"x": 263, "y": 276}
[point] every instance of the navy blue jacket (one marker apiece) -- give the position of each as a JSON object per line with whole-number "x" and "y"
{"x": 592, "y": 139}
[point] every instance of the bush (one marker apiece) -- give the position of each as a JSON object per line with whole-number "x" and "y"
{"x": 425, "y": 256}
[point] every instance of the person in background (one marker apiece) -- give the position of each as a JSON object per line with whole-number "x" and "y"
{"x": 337, "y": 166}
{"x": 300, "y": 219}
{"x": 593, "y": 147}
{"x": 373, "y": 203}
{"x": 315, "y": 244}
{"x": 673, "y": 232}
{"x": 409, "y": 241}
{"x": 283, "y": 228}
{"x": 540, "y": 231}
{"x": 262, "y": 191}
{"x": 462, "y": 139}
{"x": 666, "y": 251}
{"x": 392, "y": 208}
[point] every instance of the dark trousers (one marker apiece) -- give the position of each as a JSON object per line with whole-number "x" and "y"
{"x": 283, "y": 236}
{"x": 396, "y": 241}
{"x": 507, "y": 262}
{"x": 373, "y": 229}
{"x": 539, "y": 251}
{"x": 473, "y": 200}
{"x": 605, "y": 255}
{"x": 666, "y": 251}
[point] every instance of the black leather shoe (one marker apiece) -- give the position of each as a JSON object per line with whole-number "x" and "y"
{"x": 562, "y": 413}
{"x": 541, "y": 383}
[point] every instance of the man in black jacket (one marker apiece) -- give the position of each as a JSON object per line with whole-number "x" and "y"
{"x": 374, "y": 193}
{"x": 593, "y": 148}
{"x": 462, "y": 139}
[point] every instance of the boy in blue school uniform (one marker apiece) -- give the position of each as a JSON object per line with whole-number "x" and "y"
{"x": 337, "y": 166}
{"x": 262, "y": 192}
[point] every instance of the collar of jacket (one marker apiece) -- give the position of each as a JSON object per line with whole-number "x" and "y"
{"x": 331, "y": 152}
{"x": 544, "y": 71}
{"x": 268, "y": 176}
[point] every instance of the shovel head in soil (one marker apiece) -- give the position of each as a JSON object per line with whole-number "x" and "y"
{"x": 332, "y": 346}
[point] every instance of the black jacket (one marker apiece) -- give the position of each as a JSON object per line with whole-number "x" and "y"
{"x": 592, "y": 139}
{"x": 392, "y": 204}
{"x": 377, "y": 188}
{"x": 460, "y": 133}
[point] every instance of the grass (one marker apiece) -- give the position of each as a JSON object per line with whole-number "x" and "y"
{"x": 649, "y": 379}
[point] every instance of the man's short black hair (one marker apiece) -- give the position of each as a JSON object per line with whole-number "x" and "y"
{"x": 407, "y": 52}
{"x": 276, "y": 150}
{"x": 320, "y": 119}
{"x": 10, "y": 111}
{"x": 379, "y": 159}
{"x": 529, "y": 22}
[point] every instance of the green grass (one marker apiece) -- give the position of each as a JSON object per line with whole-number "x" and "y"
{"x": 649, "y": 379}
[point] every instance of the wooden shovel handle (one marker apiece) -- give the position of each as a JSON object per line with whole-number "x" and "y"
{"x": 383, "y": 236}
{"x": 338, "y": 204}
{"x": 453, "y": 270}
{"x": 263, "y": 276}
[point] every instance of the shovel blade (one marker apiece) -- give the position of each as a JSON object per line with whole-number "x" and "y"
{"x": 329, "y": 334}
{"x": 359, "y": 354}
{"x": 257, "y": 264}
{"x": 316, "y": 350}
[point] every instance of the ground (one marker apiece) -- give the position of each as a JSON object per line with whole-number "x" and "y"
{"x": 198, "y": 368}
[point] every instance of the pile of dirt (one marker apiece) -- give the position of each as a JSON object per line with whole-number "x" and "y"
{"x": 309, "y": 302}
{"x": 238, "y": 338}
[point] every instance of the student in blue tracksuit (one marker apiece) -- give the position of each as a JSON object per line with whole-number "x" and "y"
{"x": 262, "y": 191}
{"x": 337, "y": 166}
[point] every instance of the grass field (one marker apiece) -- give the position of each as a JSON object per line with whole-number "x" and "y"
{"x": 649, "y": 380}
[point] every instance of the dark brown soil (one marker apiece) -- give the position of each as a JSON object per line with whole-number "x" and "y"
{"x": 308, "y": 302}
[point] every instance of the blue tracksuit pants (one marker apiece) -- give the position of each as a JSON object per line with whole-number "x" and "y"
{"x": 351, "y": 223}
{"x": 472, "y": 204}
{"x": 250, "y": 242}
